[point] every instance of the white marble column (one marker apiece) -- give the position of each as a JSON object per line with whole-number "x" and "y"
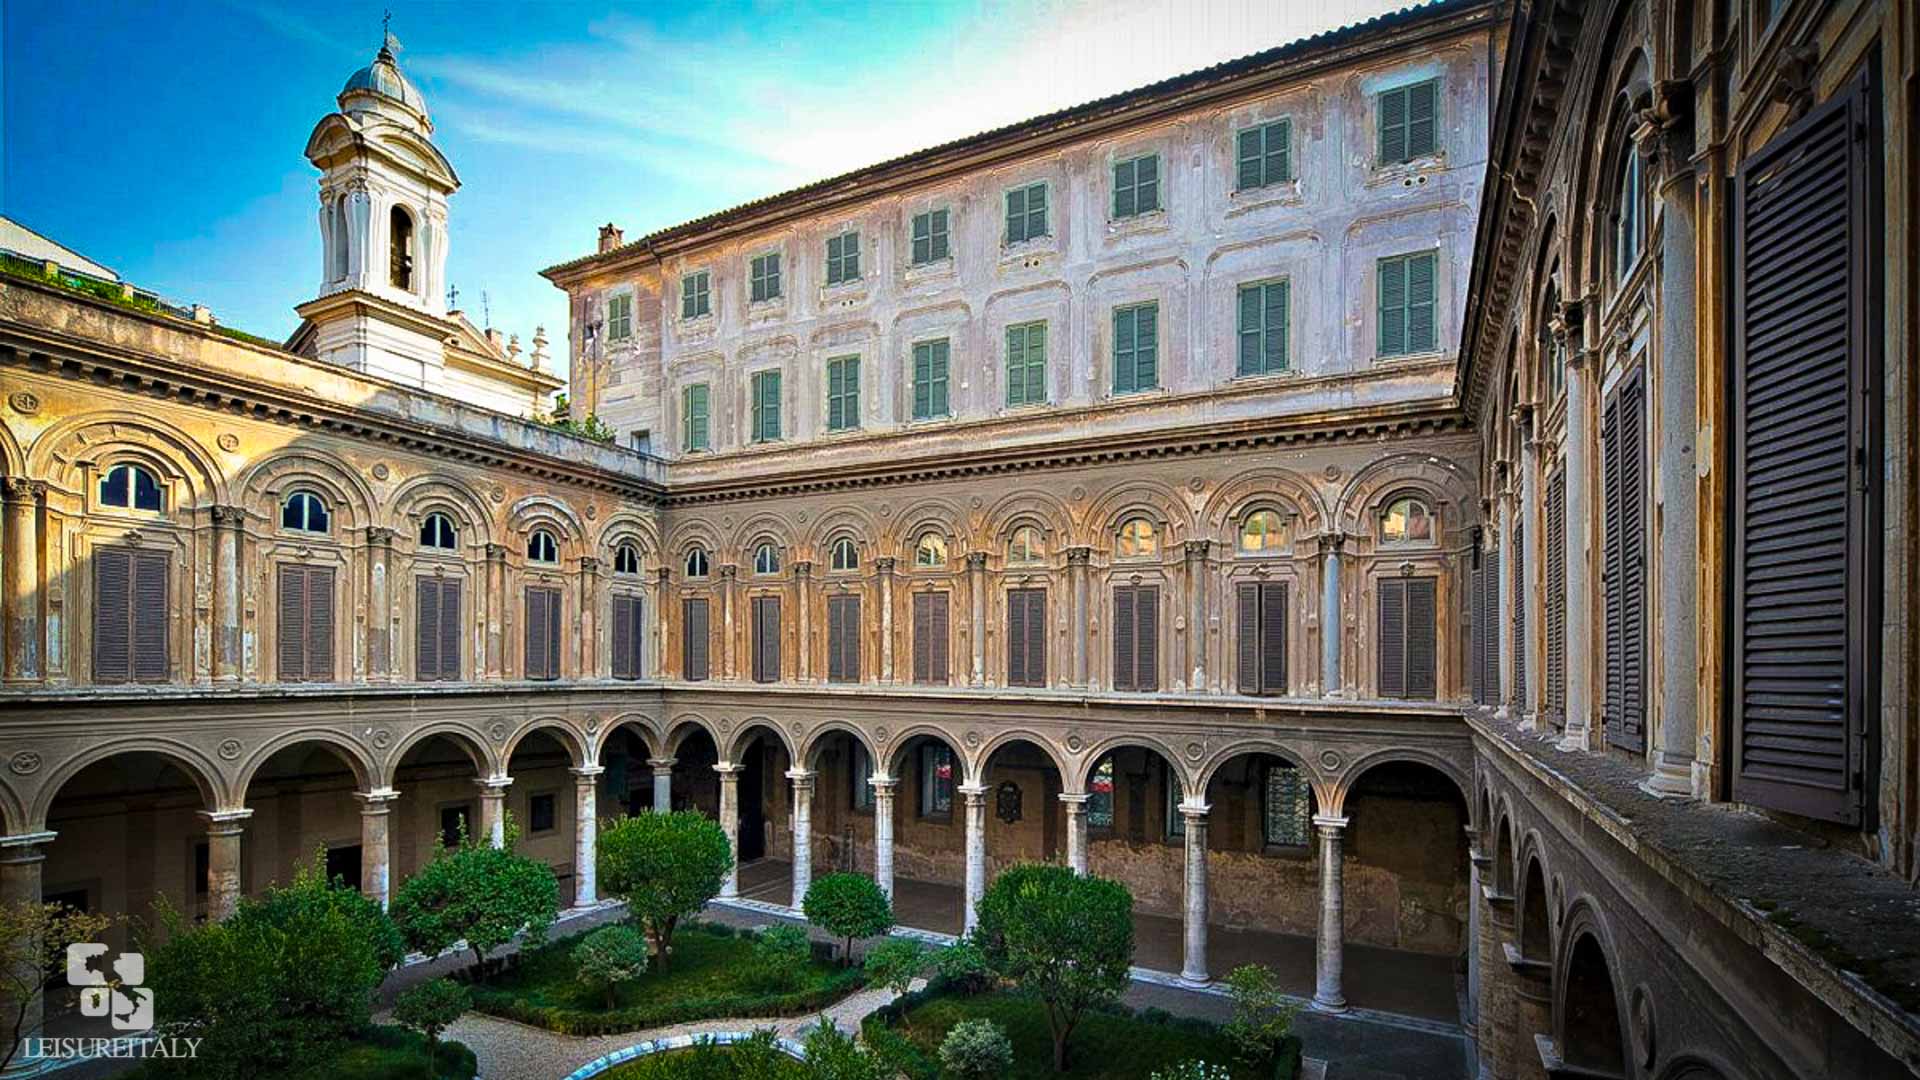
{"x": 730, "y": 822}
{"x": 662, "y": 784}
{"x": 1330, "y": 946}
{"x": 21, "y": 860}
{"x": 586, "y": 834}
{"x": 883, "y": 791}
{"x": 376, "y": 850}
{"x": 493, "y": 808}
{"x": 223, "y": 860}
{"x": 1193, "y": 967}
{"x": 1076, "y": 804}
{"x": 975, "y": 796}
{"x": 1330, "y": 545}
{"x": 977, "y": 629}
{"x": 802, "y": 780}
{"x": 20, "y": 565}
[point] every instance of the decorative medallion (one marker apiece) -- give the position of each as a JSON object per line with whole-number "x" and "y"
{"x": 1331, "y": 472}
{"x": 380, "y": 470}
{"x": 796, "y": 727}
{"x": 1006, "y": 802}
{"x": 593, "y": 511}
{"x": 1078, "y": 494}
{"x": 381, "y": 739}
{"x": 886, "y": 510}
{"x": 1194, "y": 750}
{"x": 975, "y": 502}
{"x": 1641, "y": 1019}
{"x": 726, "y": 724}
{"x": 973, "y": 739}
{"x": 498, "y": 731}
{"x": 230, "y": 750}
{"x": 1196, "y": 484}
{"x": 25, "y": 402}
{"x": 499, "y": 495}
{"x": 1330, "y": 760}
{"x": 593, "y": 724}
{"x": 1075, "y": 743}
{"x": 727, "y": 522}
{"x": 24, "y": 763}
{"x": 803, "y": 517}
{"x": 881, "y": 735}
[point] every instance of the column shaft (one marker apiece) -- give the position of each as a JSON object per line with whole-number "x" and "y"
{"x": 883, "y": 791}
{"x": 586, "y": 834}
{"x": 884, "y": 567}
{"x": 1078, "y": 560}
{"x": 587, "y": 663}
{"x": 1330, "y": 618}
{"x": 223, "y": 861}
{"x": 976, "y": 803}
{"x": 20, "y": 871}
{"x": 1676, "y": 728}
{"x": 228, "y": 524}
{"x": 730, "y": 822}
{"x": 1496, "y": 635}
{"x": 376, "y": 849}
{"x": 20, "y": 563}
{"x": 977, "y": 629}
{"x": 1578, "y": 731}
{"x": 1076, "y": 805}
{"x": 493, "y": 809}
{"x": 1193, "y": 968}
{"x": 1196, "y": 551}
{"x": 495, "y": 604}
{"x": 1329, "y": 947}
{"x": 662, "y": 784}
{"x": 802, "y": 833}
{"x": 379, "y": 604}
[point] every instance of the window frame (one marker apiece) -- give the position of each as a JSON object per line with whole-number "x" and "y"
{"x": 1027, "y": 365}
{"x": 1133, "y": 312}
{"x": 939, "y": 241}
{"x": 1032, "y": 559}
{"x": 696, "y": 425}
{"x": 453, "y": 533}
{"x": 1133, "y": 186}
{"x": 843, "y": 407}
{"x": 1408, "y": 152}
{"x": 313, "y": 504}
{"x": 553, "y": 542}
{"x": 1120, "y": 538}
{"x": 840, "y": 544}
{"x": 938, "y": 402}
{"x": 619, "y": 322}
{"x": 1026, "y": 213}
{"x": 843, "y": 266}
{"x": 1406, "y": 541}
{"x": 920, "y": 545}
{"x": 626, "y": 549}
{"x": 134, "y": 470}
{"x": 1265, "y": 333}
{"x": 766, "y": 559}
{"x": 696, "y": 294}
{"x": 1264, "y": 130}
{"x": 1405, "y": 261}
{"x": 927, "y": 804}
{"x": 1267, "y": 770}
{"x": 764, "y": 278}
{"x": 1279, "y": 550}
{"x": 763, "y": 429}
{"x": 699, "y": 553}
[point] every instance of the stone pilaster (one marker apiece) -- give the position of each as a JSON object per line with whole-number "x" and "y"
{"x": 1193, "y": 966}
{"x": 729, "y": 577}
{"x": 1079, "y": 564}
{"x": 975, "y": 797}
{"x": 1496, "y": 635}
{"x": 803, "y": 587}
{"x": 1532, "y": 1012}
{"x": 587, "y": 659}
{"x": 493, "y": 808}
{"x": 884, "y": 788}
{"x": 802, "y": 780}
{"x": 884, "y": 568}
{"x": 229, "y": 524}
{"x": 662, "y": 783}
{"x": 1497, "y": 1037}
{"x": 1076, "y": 804}
{"x": 223, "y": 860}
{"x": 376, "y": 850}
{"x": 20, "y": 557}
{"x": 1330, "y": 545}
{"x": 662, "y": 596}
{"x": 1329, "y": 948}
{"x": 496, "y": 599}
{"x": 586, "y": 834}
{"x": 379, "y": 604}
{"x": 1578, "y": 733}
{"x": 977, "y": 629}
{"x": 1197, "y": 578}
{"x": 730, "y": 822}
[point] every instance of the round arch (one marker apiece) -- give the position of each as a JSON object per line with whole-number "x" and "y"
{"x": 642, "y": 725}
{"x": 266, "y": 483}
{"x": 1588, "y": 1004}
{"x": 625, "y": 526}
{"x": 13, "y": 460}
{"x": 1035, "y": 508}
{"x": 354, "y": 756}
{"x": 200, "y": 769}
{"x": 1077, "y": 780}
{"x": 814, "y": 740}
{"x": 686, "y": 724}
{"x": 469, "y": 741}
{"x": 1533, "y": 929}
{"x": 1440, "y": 479}
{"x": 570, "y": 740}
{"x": 936, "y": 514}
{"x": 414, "y": 499}
{"x": 847, "y": 521}
{"x": 750, "y": 729}
{"x": 1257, "y": 489}
{"x": 760, "y": 529}
{"x": 982, "y": 757}
{"x": 902, "y": 741}
{"x": 1140, "y": 498}
{"x": 1358, "y": 769}
{"x": 538, "y": 511}
{"x": 56, "y": 455}
{"x": 1219, "y": 759}
{"x": 13, "y": 810}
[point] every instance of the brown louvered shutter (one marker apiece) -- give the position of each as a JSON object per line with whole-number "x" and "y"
{"x": 637, "y": 636}
{"x": 449, "y": 648}
{"x": 426, "y": 629}
{"x": 922, "y": 637}
{"x": 843, "y": 639}
{"x": 1273, "y": 638}
{"x": 291, "y": 624}
{"x": 693, "y": 638}
{"x": 1146, "y": 637}
{"x": 1621, "y": 429}
{"x": 1490, "y": 629}
{"x": 1247, "y": 628}
{"x": 1610, "y": 564}
{"x": 320, "y": 624}
{"x": 554, "y": 608}
{"x": 766, "y": 639}
{"x": 1556, "y": 590}
{"x": 112, "y": 615}
{"x": 1476, "y": 628}
{"x": 1017, "y": 637}
{"x": 1037, "y": 638}
{"x": 1421, "y": 644}
{"x": 621, "y": 645}
{"x": 1517, "y": 645}
{"x": 1124, "y": 659}
{"x": 1806, "y": 530}
{"x": 1393, "y": 637}
{"x": 152, "y": 611}
{"x": 937, "y": 636}
{"x": 534, "y": 629}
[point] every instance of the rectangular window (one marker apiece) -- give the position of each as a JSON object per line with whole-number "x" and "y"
{"x": 693, "y": 418}
{"x": 1261, "y": 635}
{"x": 1026, "y": 213}
{"x": 843, "y": 638}
{"x": 1136, "y": 637}
{"x": 1406, "y": 287}
{"x": 1136, "y": 186}
{"x": 694, "y": 638}
{"x": 1100, "y": 795}
{"x": 1623, "y": 575}
{"x": 436, "y": 630}
{"x": 305, "y": 624}
{"x": 929, "y": 237}
{"x": 1264, "y": 320}
{"x": 1408, "y": 123}
{"x": 936, "y": 781}
{"x": 843, "y": 393}
{"x": 695, "y": 295}
{"x": 1027, "y": 364}
{"x": 860, "y": 776}
{"x": 766, "y": 406}
{"x": 542, "y": 813}
{"x": 766, "y": 639}
{"x": 1407, "y": 637}
{"x": 629, "y": 637}
{"x": 1263, "y": 155}
{"x": 930, "y": 638}
{"x": 1026, "y": 637}
{"x": 843, "y": 258}
{"x": 763, "y": 279}
{"x": 620, "y": 317}
{"x": 1136, "y": 348}
{"x": 930, "y": 379}
{"x": 640, "y": 441}
{"x": 543, "y": 634}
{"x": 131, "y": 611}
{"x": 1286, "y": 808}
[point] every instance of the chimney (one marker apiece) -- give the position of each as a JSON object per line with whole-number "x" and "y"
{"x": 610, "y": 237}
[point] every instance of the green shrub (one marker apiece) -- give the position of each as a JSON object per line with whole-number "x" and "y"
{"x": 895, "y": 963}
{"x": 609, "y": 956}
{"x": 430, "y": 1009}
{"x": 976, "y": 1050}
{"x": 1061, "y": 937}
{"x": 312, "y": 891}
{"x": 480, "y": 893}
{"x": 834, "y": 1055}
{"x": 780, "y": 953}
{"x": 1262, "y": 1016}
{"x": 666, "y": 867}
{"x": 963, "y": 967}
{"x": 848, "y": 906}
{"x": 1193, "y": 1069}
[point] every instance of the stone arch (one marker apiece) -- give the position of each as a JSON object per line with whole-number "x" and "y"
{"x": 1036, "y": 508}
{"x": 13, "y": 810}
{"x": 624, "y": 526}
{"x": 1439, "y": 479}
{"x": 1321, "y": 783}
{"x": 981, "y": 757}
{"x": 577, "y": 747}
{"x": 265, "y": 484}
{"x": 1077, "y": 780}
{"x": 1360, "y": 766}
{"x": 110, "y": 436}
{"x": 1503, "y": 854}
{"x": 745, "y": 733}
{"x": 759, "y": 529}
{"x": 645, "y": 726}
{"x": 366, "y": 771}
{"x": 13, "y": 459}
{"x": 847, "y": 521}
{"x": 684, "y": 724}
{"x": 470, "y": 742}
{"x": 536, "y": 511}
{"x": 421, "y": 495}
{"x": 1588, "y": 1005}
{"x": 937, "y": 514}
{"x": 1139, "y": 498}
{"x": 813, "y": 740}
{"x": 1620, "y": 74}
{"x": 198, "y": 767}
{"x": 896, "y": 747}
{"x": 1256, "y": 489}
{"x": 1533, "y": 929}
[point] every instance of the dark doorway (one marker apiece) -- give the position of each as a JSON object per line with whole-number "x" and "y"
{"x": 343, "y": 865}
{"x": 455, "y": 822}
{"x": 753, "y": 811}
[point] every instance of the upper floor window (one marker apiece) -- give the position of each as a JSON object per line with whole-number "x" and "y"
{"x": 400, "y": 248}
{"x": 766, "y": 406}
{"x": 1027, "y": 364}
{"x": 437, "y": 531}
{"x": 1286, "y": 807}
{"x": 696, "y": 295}
{"x": 1026, "y": 547}
{"x": 1262, "y": 532}
{"x": 620, "y": 317}
{"x": 763, "y": 280}
{"x": 1026, "y": 213}
{"x": 697, "y": 563}
{"x": 846, "y": 556}
{"x": 843, "y": 258}
{"x": 1629, "y": 220}
{"x": 626, "y": 560}
{"x": 930, "y": 379}
{"x": 130, "y": 487}
{"x": 1137, "y": 540}
{"x": 303, "y": 511}
{"x": 1264, "y": 322}
{"x": 1136, "y": 186}
{"x": 1136, "y": 348}
{"x": 843, "y": 393}
{"x": 930, "y": 242}
{"x": 694, "y": 434}
{"x": 1263, "y": 155}
{"x": 1406, "y": 285}
{"x": 542, "y": 547}
{"x": 1100, "y": 795}
{"x": 1553, "y": 359}
{"x": 1406, "y": 521}
{"x": 766, "y": 559}
{"x": 1408, "y": 122}
{"x": 931, "y": 551}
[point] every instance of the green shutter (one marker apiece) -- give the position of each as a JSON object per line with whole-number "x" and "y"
{"x": 1016, "y": 365}
{"x": 937, "y": 236}
{"x": 1146, "y": 180}
{"x": 1279, "y": 159}
{"x": 1279, "y": 296}
{"x": 930, "y": 379}
{"x": 922, "y": 238}
{"x": 766, "y": 406}
{"x": 941, "y": 351}
{"x": 1123, "y": 345}
{"x": 1027, "y": 364}
{"x": 1250, "y": 154}
{"x": 1420, "y": 302}
{"x": 1251, "y": 313}
{"x": 1422, "y": 111}
{"x": 1123, "y": 190}
{"x": 1393, "y": 307}
{"x": 693, "y": 420}
{"x": 1016, "y": 215}
{"x": 1135, "y": 348}
{"x": 1393, "y": 126}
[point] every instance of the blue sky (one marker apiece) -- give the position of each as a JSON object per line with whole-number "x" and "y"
{"x": 165, "y": 139}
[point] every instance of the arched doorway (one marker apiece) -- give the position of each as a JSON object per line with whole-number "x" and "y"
{"x": 541, "y": 805}
{"x": 304, "y": 812}
{"x": 929, "y": 834}
{"x": 443, "y": 800}
{"x": 1591, "y": 1037}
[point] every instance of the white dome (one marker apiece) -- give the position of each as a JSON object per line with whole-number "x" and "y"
{"x": 383, "y": 77}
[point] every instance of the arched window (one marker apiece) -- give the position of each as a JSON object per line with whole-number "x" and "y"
{"x": 130, "y": 487}
{"x": 303, "y": 511}
{"x": 845, "y": 555}
{"x": 1137, "y": 540}
{"x": 1629, "y": 222}
{"x": 1406, "y": 521}
{"x": 931, "y": 551}
{"x": 542, "y": 547}
{"x": 339, "y": 255}
{"x": 1262, "y": 532}
{"x": 438, "y": 532}
{"x": 697, "y": 563}
{"x": 400, "y": 249}
{"x": 1026, "y": 547}
{"x": 1553, "y": 359}
{"x": 626, "y": 560}
{"x": 766, "y": 559}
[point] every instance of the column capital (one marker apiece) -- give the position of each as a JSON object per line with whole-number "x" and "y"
{"x": 587, "y": 772}
{"x": 803, "y": 568}
{"x": 802, "y": 778}
{"x": 729, "y": 571}
{"x": 493, "y": 787}
{"x": 663, "y": 574}
{"x": 974, "y": 793}
{"x": 1076, "y": 801}
{"x": 227, "y": 515}
{"x": 729, "y": 771}
{"x": 1197, "y": 549}
{"x": 25, "y": 847}
{"x": 1329, "y": 823}
{"x": 1193, "y": 810}
{"x": 21, "y": 489}
{"x": 883, "y": 785}
{"x": 1330, "y": 543}
{"x": 496, "y": 553}
{"x": 589, "y": 564}
{"x": 976, "y": 560}
{"x": 380, "y": 536}
{"x": 375, "y": 801}
{"x": 1079, "y": 556}
{"x": 226, "y": 822}
{"x": 663, "y": 763}
{"x": 885, "y": 564}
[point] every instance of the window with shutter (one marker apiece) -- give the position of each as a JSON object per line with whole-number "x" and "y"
{"x": 1555, "y": 580}
{"x": 305, "y": 623}
{"x": 1406, "y": 286}
{"x": 1136, "y": 186}
{"x": 1517, "y": 643}
{"x": 843, "y": 393}
{"x": 693, "y": 638}
{"x": 1489, "y": 620}
{"x": 843, "y": 258}
{"x": 1136, "y": 347}
{"x": 1264, "y": 155}
{"x": 1026, "y": 637}
{"x": 1263, "y": 327}
{"x": 766, "y": 406}
{"x": 1407, "y": 643}
{"x": 1408, "y": 120}
{"x": 843, "y": 639}
{"x": 1476, "y": 629}
{"x": 766, "y": 639}
{"x": 764, "y": 277}
{"x": 629, "y": 637}
{"x": 696, "y": 295}
{"x": 930, "y": 638}
{"x": 693, "y": 418}
{"x": 1027, "y": 364}
{"x": 1807, "y": 537}
{"x": 1623, "y": 576}
{"x": 930, "y": 242}
{"x": 130, "y": 616}
{"x": 1026, "y": 213}
{"x": 1261, "y": 632}
{"x": 1136, "y": 637}
{"x": 930, "y": 379}
{"x": 436, "y": 638}
{"x": 542, "y": 634}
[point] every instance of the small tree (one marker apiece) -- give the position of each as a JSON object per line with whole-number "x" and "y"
{"x": 610, "y": 956}
{"x": 311, "y": 891}
{"x": 780, "y": 953}
{"x": 895, "y": 963}
{"x": 666, "y": 867}
{"x": 480, "y": 893}
{"x": 833, "y": 1054}
{"x": 1061, "y": 937}
{"x": 33, "y": 941}
{"x": 976, "y": 1050}
{"x": 848, "y": 906}
{"x": 1262, "y": 1016}
{"x": 962, "y": 967}
{"x": 430, "y": 1009}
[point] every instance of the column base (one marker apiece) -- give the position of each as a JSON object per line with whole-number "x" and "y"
{"x": 1333, "y": 1005}
{"x": 1197, "y": 982}
{"x": 1670, "y": 780}
{"x": 1575, "y": 739}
